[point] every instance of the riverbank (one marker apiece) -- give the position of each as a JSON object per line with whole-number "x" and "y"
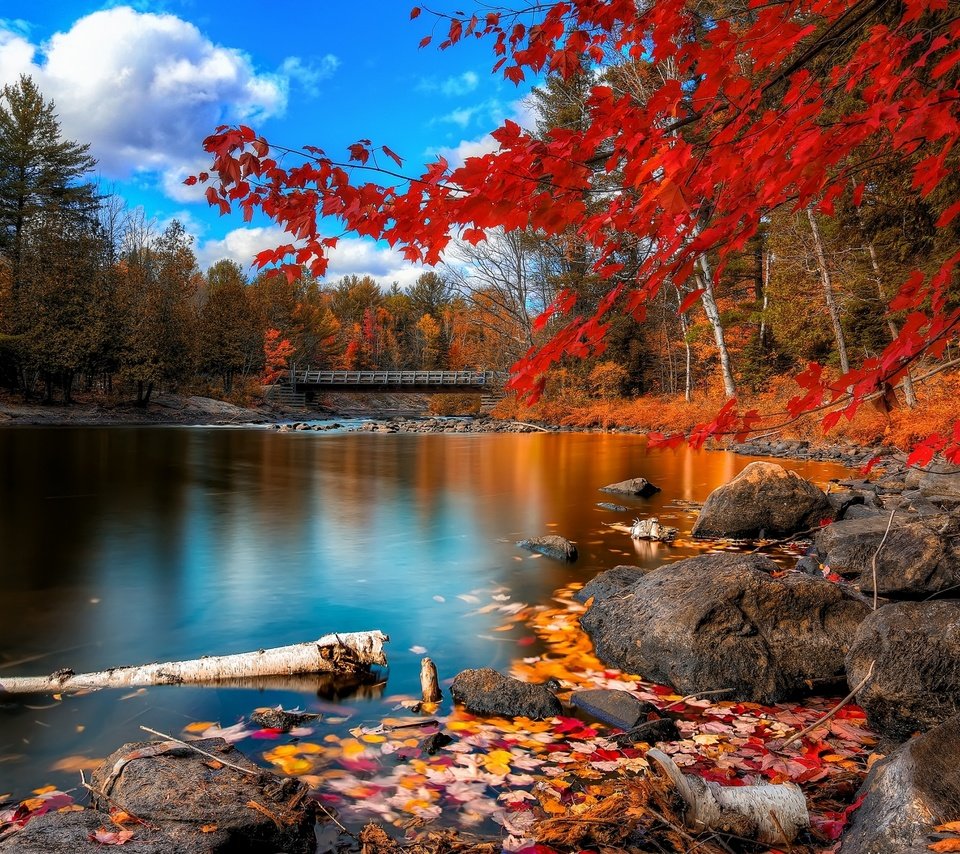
{"x": 97, "y": 411}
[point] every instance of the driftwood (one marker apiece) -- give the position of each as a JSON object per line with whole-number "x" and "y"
{"x": 647, "y": 529}
{"x": 347, "y": 653}
{"x": 770, "y": 813}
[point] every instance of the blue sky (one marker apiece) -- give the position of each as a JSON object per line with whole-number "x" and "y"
{"x": 144, "y": 82}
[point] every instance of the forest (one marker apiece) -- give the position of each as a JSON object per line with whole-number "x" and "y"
{"x": 95, "y": 298}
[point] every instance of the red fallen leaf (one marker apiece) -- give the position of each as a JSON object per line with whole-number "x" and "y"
{"x": 527, "y": 641}
{"x": 111, "y": 837}
{"x": 270, "y": 734}
{"x": 537, "y": 849}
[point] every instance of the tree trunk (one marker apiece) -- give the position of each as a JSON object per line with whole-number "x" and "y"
{"x": 827, "y": 282}
{"x": 146, "y": 397}
{"x": 336, "y": 653}
{"x": 713, "y": 315}
{"x": 767, "y": 262}
{"x": 909, "y": 394}
{"x": 688, "y": 380}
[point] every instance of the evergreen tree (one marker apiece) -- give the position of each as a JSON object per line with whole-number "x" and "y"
{"x": 40, "y": 171}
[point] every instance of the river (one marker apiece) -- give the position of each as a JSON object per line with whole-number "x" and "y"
{"x": 130, "y": 545}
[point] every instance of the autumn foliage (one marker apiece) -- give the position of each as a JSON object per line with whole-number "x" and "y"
{"x": 741, "y": 111}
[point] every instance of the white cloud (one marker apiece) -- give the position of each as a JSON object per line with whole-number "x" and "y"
{"x": 352, "y": 256}
{"x": 521, "y": 112}
{"x": 309, "y": 74}
{"x": 459, "y": 84}
{"x": 462, "y": 85}
{"x": 145, "y": 89}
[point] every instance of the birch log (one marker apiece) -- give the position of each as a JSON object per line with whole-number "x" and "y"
{"x": 772, "y": 813}
{"x": 337, "y": 653}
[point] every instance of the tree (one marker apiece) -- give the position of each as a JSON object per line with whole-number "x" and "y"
{"x": 230, "y": 337}
{"x": 40, "y": 171}
{"x": 745, "y": 119}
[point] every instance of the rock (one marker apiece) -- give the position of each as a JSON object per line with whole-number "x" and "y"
{"x": 70, "y": 832}
{"x": 178, "y": 791}
{"x": 841, "y": 502}
{"x": 651, "y": 529}
{"x": 281, "y": 719}
{"x": 486, "y": 692}
{"x": 553, "y": 546}
{"x": 635, "y": 486}
{"x": 908, "y": 794}
{"x": 609, "y": 583}
{"x": 617, "y": 708}
{"x": 915, "y": 683}
{"x": 810, "y": 565}
{"x": 617, "y": 508}
{"x": 721, "y": 621}
{"x": 861, "y": 511}
{"x": 650, "y": 732}
{"x": 918, "y": 558}
{"x": 764, "y": 500}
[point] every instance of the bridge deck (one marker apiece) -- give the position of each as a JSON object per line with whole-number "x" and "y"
{"x": 331, "y": 379}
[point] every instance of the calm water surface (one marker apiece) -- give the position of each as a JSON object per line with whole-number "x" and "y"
{"x": 130, "y": 545}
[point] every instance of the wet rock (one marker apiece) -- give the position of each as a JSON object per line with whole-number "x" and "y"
{"x": 281, "y": 719}
{"x": 861, "y": 511}
{"x": 721, "y": 621}
{"x": 907, "y": 795}
{"x": 486, "y": 692}
{"x": 764, "y": 500}
{"x": 638, "y": 486}
{"x": 915, "y": 683}
{"x": 841, "y": 502}
{"x": 651, "y": 732}
{"x": 610, "y": 583}
{"x": 617, "y": 708}
{"x": 618, "y": 508}
{"x": 810, "y": 565}
{"x": 70, "y": 833}
{"x": 559, "y": 548}
{"x": 918, "y": 558}
{"x": 180, "y": 792}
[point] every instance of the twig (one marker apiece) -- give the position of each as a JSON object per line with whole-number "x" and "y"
{"x": 832, "y": 711}
{"x": 797, "y": 536}
{"x": 873, "y": 560}
{"x": 195, "y": 749}
{"x": 534, "y": 426}
{"x": 101, "y": 794}
{"x": 335, "y": 820}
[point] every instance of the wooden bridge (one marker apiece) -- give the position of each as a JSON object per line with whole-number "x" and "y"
{"x": 298, "y": 386}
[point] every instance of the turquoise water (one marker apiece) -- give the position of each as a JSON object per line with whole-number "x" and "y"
{"x": 131, "y": 545}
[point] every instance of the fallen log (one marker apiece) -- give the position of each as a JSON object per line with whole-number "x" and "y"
{"x": 347, "y": 653}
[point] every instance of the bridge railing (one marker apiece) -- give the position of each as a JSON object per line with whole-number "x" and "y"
{"x": 393, "y": 378}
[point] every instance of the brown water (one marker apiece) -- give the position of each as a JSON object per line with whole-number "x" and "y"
{"x": 130, "y": 545}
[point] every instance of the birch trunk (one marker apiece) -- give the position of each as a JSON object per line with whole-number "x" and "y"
{"x": 337, "y": 653}
{"x": 909, "y": 394}
{"x": 827, "y": 282}
{"x": 713, "y": 315}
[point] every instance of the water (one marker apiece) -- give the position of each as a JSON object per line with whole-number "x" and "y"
{"x": 131, "y": 545}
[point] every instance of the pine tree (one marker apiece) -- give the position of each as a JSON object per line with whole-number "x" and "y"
{"x": 40, "y": 171}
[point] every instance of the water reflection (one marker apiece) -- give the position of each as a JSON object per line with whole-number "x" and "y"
{"x": 130, "y": 545}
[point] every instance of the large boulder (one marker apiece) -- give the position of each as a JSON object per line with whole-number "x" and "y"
{"x": 915, "y": 650}
{"x": 918, "y": 557}
{"x": 721, "y": 621}
{"x": 764, "y": 500}
{"x": 486, "y": 692}
{"x": 907, "y": 795}
{"x": 559, "y": 548}
{"x": 196, "y": 800}
{"x": 636, "y": 486}
{"x": 74, "y": 833}
{"x": 609, "y": 583}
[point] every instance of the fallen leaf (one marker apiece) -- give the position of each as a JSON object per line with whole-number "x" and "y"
{"x": 112, "y": 837}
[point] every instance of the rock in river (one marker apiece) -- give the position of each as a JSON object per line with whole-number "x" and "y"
{"x": 186, "y": 804}
{"x": 907, "y": 795}
{"x": 919, "y": 556}
{"x": 915, "y": 683}
{"x": 722, "y": 621}
{"x": 559, "y": 548}
{"x": 609, "y": 583}
{"x": 764, "y": 500}
{"x": 486, "y": 692}
{"x": 639, "y": 486}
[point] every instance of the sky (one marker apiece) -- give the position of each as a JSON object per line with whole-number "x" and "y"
{"x": 144, "y": 82}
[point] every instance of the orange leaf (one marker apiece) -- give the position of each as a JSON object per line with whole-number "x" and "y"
{"x": 946, "y": 845}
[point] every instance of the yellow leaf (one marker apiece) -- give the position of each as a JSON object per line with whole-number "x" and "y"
{"x": 44, "y": 790}
{"x": 950, "y": 826}
{"x": 199, "y": 726}
{"x": 207, "y": 828}
{"x": 371, "y": 738}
